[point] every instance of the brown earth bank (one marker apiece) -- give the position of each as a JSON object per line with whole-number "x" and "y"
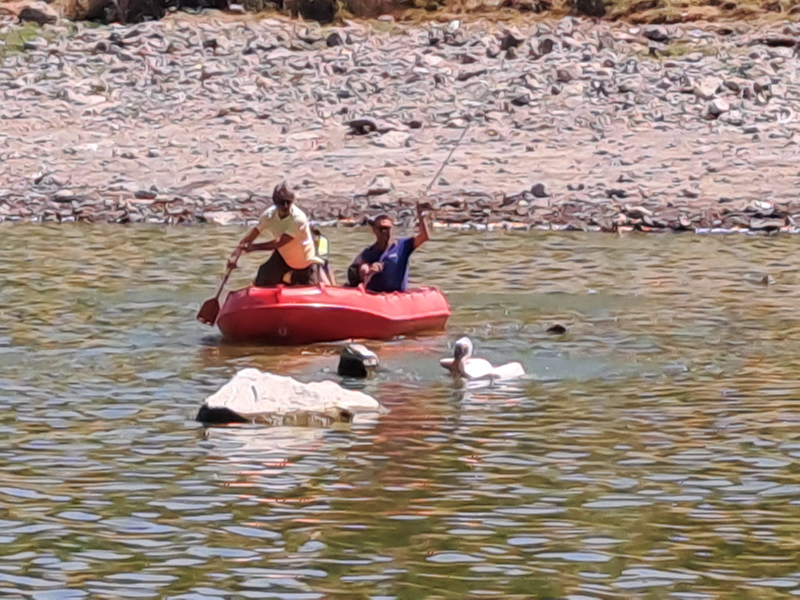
{"x": 571, "y": 123}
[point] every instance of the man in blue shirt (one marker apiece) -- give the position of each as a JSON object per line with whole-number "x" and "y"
{"x": 383, "y": 267}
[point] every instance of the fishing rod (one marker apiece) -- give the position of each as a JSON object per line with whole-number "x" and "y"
{"x": 446, "y": 160}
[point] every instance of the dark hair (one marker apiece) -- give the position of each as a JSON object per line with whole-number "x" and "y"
{"x": 282, "y": 192}
{"x": 376, "y": 219}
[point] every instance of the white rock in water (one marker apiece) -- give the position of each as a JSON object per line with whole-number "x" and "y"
{"x": 253, "y": 393}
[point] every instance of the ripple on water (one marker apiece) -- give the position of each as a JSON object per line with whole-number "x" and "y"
{"x": 648, "y": 454}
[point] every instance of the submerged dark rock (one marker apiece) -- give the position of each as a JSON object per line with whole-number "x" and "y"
{"x": 356, "y": 360}
{"x": 218, "y": 415}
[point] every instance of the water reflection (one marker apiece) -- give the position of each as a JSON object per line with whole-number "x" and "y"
{"x": 649, "y": 453}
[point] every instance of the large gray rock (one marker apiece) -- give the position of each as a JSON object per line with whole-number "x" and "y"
{"x": 631, "y": 84}
{"x": 707, "y": 87}
{"x": 254, "y": 395}
{"x": 591, "y": 8}
{"x": 656, "y": 33}
{"x": 38, "y": 12}
{"x": 569, "y": 73}
{"x": 323, "y": 11}
{"x": 380, "y": 185}
{"x": 539, "y": 190}
{"x": 733, "y": 117}
{"x": 717, "y": 107}
{"x": 393, "y": 139}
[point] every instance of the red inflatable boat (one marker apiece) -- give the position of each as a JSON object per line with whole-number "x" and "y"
{"x": 308, "y": 314}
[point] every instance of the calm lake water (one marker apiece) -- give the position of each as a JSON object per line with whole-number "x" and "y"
{"x": 652, "y": 452}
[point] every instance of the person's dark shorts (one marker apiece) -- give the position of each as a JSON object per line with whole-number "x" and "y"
{"x": 271, "y": 273}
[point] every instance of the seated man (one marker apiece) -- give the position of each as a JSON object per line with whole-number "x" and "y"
{"x": 292, "y": 243}
{"x": 383, "y": 267}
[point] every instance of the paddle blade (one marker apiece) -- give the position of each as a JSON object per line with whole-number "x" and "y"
{"x": 209, "y": 311}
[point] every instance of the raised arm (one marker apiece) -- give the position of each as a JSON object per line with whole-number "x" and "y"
{"x": 423, "y": 234}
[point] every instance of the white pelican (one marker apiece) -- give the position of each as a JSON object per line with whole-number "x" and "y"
{"x": 462, "y": 364}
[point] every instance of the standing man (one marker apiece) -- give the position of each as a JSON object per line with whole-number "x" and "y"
{"x": 292, "y": 243}
{"x": 383, "y": 267}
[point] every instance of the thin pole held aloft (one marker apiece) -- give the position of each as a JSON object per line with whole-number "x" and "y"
{"x": 446, "y": 160}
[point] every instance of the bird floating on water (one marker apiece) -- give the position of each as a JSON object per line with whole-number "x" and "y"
{"x": 464, "y": 365}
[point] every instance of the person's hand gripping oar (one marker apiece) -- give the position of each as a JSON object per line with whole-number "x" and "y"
{"x": 368, "y": 271}
{"x": 210, "y": 310}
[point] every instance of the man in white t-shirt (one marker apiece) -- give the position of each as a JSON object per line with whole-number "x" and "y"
{"x": 293, "y": 245}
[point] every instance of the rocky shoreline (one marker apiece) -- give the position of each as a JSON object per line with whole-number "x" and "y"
{"x": 572, "y": 124}
{"x": 481, "y": 212}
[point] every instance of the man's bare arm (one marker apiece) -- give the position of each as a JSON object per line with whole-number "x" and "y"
{"x": 423, "y": 234}
{"x": 243, "y": 246}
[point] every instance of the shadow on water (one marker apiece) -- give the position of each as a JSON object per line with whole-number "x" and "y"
{"x": 650, "y": 451}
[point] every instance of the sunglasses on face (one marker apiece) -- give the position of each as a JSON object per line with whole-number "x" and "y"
{"x": 284, "y": 203}
{"x": 384, "y": 229}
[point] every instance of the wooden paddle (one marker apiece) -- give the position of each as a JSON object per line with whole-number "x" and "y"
{"x": 210, "y": 310}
